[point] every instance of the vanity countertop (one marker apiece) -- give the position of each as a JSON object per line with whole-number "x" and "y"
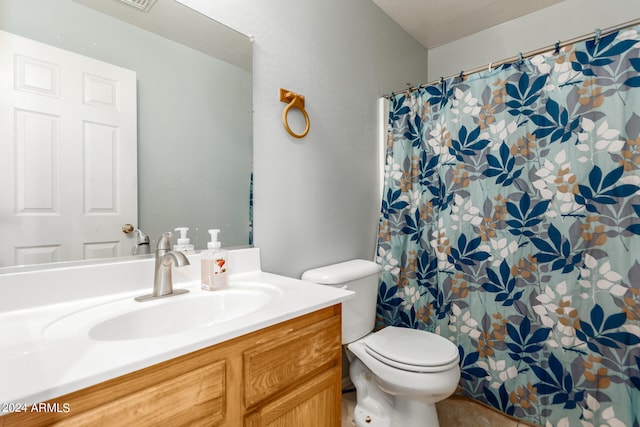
{"x": 36, "y": 367}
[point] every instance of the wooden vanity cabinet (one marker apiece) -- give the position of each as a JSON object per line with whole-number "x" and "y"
{"x": 288, "y": 374}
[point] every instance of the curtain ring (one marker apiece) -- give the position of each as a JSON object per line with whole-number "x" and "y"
{"x": 520, "y": 58}
{"x": 490, "y": 66}
{"x": 596, "y": 34}
{"x": 461, "y": 75}
{"x": 557, "y": 47}
{"x": 294, "y": 100}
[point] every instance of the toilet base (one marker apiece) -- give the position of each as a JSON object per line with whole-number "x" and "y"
{"x": 422, "y": 415}
{"x": 364, "y": 418}
{"x": 376, "y": 408}
{"x": 373, "y": 406}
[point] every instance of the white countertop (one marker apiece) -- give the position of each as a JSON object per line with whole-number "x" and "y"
{"x": 35, "y": 367}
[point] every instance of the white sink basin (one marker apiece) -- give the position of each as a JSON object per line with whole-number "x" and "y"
{"x": 126, "y": 319}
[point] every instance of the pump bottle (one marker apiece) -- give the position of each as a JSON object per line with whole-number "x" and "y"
{"x": 214, "y": 264}
{"x": 183, "y": 244}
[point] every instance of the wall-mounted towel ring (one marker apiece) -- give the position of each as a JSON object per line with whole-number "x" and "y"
{"x": 294, "y": 100}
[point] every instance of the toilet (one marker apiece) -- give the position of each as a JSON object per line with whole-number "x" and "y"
{"x": 399, "y": 373}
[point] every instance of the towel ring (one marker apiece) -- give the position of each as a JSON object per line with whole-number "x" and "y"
{"x": 294, "y": 100}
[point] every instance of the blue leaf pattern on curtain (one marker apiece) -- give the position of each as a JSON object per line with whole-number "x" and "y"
{"x": 510, "y": 225}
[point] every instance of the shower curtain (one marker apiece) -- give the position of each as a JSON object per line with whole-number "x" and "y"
{"x": 510, "y": 224}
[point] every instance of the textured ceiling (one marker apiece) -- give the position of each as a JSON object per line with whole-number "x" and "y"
{"x": 437, "y": 22}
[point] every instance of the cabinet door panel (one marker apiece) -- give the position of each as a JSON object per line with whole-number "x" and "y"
{"x": 275, "y": 365}
{"x": 195, "y": 398}
{"x": 314, "y": 404}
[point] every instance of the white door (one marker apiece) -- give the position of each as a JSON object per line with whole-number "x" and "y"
{"x": 68, "y": 154}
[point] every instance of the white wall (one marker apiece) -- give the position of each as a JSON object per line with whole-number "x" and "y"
{"x": 564, "y": 21}
{"x": 316, "y": 199}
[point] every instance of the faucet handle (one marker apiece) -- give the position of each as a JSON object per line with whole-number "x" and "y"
{"x": 164, "y": 243}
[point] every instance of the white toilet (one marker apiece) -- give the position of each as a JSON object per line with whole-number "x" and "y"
{"x": 399, "y": 373}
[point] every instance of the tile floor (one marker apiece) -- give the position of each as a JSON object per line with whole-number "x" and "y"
{"x": 348, "y": 404}
{"x": 453, "y": 412}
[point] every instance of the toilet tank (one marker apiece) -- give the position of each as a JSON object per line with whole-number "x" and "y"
{"x": 361, "y": 277}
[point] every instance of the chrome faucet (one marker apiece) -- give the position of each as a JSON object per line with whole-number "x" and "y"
{"x": 142, "y": 243}
{"x": 162, "y": 278}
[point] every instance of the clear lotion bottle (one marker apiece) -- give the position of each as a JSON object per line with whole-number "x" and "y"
{"x": 214, "y": 264}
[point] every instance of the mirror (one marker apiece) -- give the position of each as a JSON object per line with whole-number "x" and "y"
{"x": 194, "y": 116}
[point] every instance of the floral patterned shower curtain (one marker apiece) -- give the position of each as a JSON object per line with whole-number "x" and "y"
{"x": 511, "y": 225}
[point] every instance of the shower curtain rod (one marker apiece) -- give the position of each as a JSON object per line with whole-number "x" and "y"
{"x": 558, "y": 45}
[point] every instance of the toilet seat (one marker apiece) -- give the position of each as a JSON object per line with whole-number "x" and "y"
{"x": 412, "y": 350}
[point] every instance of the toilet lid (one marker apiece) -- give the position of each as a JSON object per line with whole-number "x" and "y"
{"x": 412, "y": 349}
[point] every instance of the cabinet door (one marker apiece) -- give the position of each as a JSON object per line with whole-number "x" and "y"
{"x": 179, "y": 394}
{"x": 196, "y": 398}
{"x": 316, "y": 403}
{"x": 282, "y": 362}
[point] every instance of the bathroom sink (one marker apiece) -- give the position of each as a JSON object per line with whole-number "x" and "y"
{"x": 126, "y": 319}
{"x": 180, "y": 315}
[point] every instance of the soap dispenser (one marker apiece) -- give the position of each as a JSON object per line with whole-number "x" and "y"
{"x": 183, "y": 244}
{"x": 214, "y": 264}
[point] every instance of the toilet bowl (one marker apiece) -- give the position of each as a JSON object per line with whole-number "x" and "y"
{"x": 399, "y": 373}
